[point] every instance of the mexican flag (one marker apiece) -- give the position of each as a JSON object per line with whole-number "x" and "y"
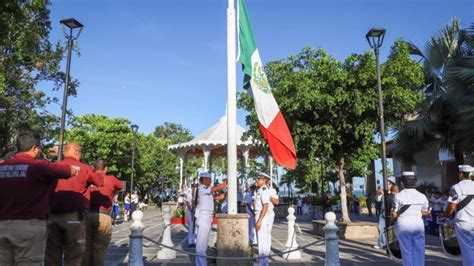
{"x": 272, "y": 123}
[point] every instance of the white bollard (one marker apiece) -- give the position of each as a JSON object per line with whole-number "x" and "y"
{"x": 291, "y": 243}
{"x": 136, "y": 240}
{"x": 332, "y": 240}
{"x": 166, "y": 253}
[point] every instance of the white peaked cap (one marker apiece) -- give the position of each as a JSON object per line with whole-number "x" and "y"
{"x": 465, "y": 168}
{"x": 262, "y": 174}
{"x": 205, "y": 175}
{"x": 408, "y": 173}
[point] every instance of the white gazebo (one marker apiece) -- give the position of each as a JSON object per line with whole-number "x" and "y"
{"x": 213, "y": 142}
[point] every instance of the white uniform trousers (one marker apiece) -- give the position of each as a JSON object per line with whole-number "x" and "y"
{"x": 271, "y": 217}
{"x": 465, "y": 237}
{"x": 191, "y": 236}
{"x": 264, "y": 240}
{"x": 204, "y": 224}
{"x": 411, "y": 236}
{"x": 252, "y": 229}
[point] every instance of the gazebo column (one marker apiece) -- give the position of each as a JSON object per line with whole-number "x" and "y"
{"x": 246, "y": 158}
{"x": 246, "y": 166}
{"x": 270, "y": 166}
{"x": 181, "y": 165}
{"x": 207, "y": 155}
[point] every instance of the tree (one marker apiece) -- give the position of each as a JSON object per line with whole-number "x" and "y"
{"x": 331, "y": 106}
{"x": 174, "y": 132}
{"x": 441, "y": 118}
{"x": 106, "y": 138}
{"x": 460, "y": 77}
{"x": 154, "y": 161}
{"x": 288, "y": 180}
{"x": 27, "y": 58}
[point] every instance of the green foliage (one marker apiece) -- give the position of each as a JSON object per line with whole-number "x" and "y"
{"x": 105, "y": 138}
{"x": 174, "y": 132}
{"x": 331, "y": 107}
{"x": 155, "y": 161}
{"x": 112, "y": 139}
{"x": 180, "y": 212}
{"x": 445, "y": 116}
{"x": 27, "y": 57}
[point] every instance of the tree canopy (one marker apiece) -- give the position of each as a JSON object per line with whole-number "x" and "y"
{"x": 445, "y": 117}
{"x": 111, "y": 139}
{"x": 331, "y": 106}
{"x": 27, "y": 58}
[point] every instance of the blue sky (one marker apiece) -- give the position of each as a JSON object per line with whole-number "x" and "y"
{"x": 153, "y": 61}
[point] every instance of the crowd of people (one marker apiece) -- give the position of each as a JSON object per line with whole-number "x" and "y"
{"x": 54, "y": 213}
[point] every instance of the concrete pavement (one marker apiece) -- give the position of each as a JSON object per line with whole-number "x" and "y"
{"x": 351, "y": 252}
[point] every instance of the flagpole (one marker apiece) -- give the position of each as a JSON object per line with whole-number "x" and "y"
{"x": 270, "y": 158}
{"x": 231, "y": 110}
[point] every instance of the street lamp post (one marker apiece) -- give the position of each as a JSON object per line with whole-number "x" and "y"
{"x": 375, "y": 37}
{"x": 134, "y": 131}
{"x": 71, "y": 24}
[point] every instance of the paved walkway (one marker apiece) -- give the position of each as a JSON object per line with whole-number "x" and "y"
{"x": 351, "y": 252}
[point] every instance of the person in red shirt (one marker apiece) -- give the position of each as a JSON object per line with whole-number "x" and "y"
{"x": 70, "y": 202}
{"x": 25, "y": 183}
{"x": 99, "y": 221}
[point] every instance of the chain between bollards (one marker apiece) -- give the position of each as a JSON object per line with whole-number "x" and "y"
{"x": 234, "y": 258}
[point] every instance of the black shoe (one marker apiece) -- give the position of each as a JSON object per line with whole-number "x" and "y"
{"x": 191, "y": 245}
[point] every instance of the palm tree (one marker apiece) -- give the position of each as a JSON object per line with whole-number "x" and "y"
{"x": 460, "y": 77}
{"x": 287, "y": 180}
{"x": 437, "y": 120}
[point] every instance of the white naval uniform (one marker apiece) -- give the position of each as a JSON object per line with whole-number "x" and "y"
{"x": 188, "y": 198}
{"x": 273, "y": 194}
{"x": 410, "y": 227}
{"x": 264, "y": 234}
{"x": 205, "y": 212}
{"x": 249, "y": 200}
{"x": 464, "y": 220}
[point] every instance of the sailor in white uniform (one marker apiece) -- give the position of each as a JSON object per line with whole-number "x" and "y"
{"x": 263, "y": 217}
{"x": 274, "y": 201}
{"x": 410, "y": 205}
{"x": 188, "y": 201}
{"x": 204, "y": 214}
{"x": 249, "y": 208}
{"x": 461, "y": 201}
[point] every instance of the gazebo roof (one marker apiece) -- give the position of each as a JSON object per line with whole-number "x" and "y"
{"x": 214, "y": 139}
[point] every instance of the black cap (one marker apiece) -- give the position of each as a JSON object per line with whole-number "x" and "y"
{"x": 409, "y": 181}
{"x": 26, "y": 140}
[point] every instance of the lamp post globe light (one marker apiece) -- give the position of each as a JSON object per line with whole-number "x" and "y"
{"x": 134, "y": 128}
{"x": 375, "y": 37}
{"x": 71, "y": 25}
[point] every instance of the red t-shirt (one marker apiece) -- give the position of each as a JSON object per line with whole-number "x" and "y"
{"x": 73, "y": 194}
{"x": 25, "y": 185}
{"x": 102, "y": 197}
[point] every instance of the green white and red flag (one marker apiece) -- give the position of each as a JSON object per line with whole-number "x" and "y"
{"x": 272, "y": 123}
